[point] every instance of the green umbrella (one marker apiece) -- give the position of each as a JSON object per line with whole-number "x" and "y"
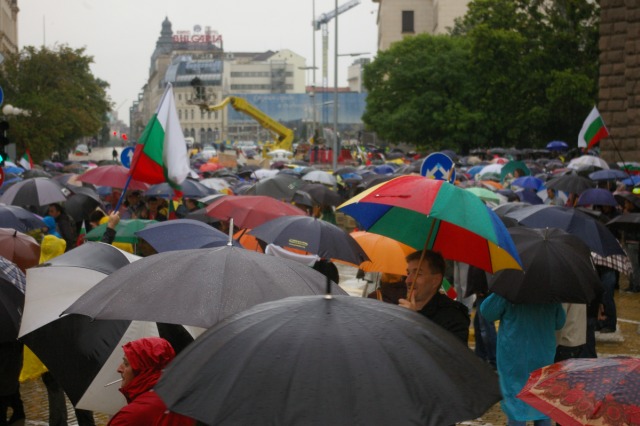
{"x": 125, "y": 230}
{"x": 486, "y": 195}
{"x": 511, "y": 167}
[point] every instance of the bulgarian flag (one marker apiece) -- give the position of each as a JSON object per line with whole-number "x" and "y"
{"x": 161, "y": 153}
{"x": 448, "y": 289}
{"x": 592, "y": 130}
{"x": 26, "y": 161}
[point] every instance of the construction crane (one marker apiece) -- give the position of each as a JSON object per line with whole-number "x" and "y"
{"x": 321, "y": 23}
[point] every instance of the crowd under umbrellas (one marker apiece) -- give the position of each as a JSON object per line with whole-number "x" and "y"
{"x": 226, "y": 298}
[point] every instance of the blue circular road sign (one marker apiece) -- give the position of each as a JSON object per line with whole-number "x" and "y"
{"x": 126, "y": 156}
{"x": 438, "y": 166}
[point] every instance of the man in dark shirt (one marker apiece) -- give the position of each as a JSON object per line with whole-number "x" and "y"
{"x": 424, "y": 278}
{"x": 65, "y": 224}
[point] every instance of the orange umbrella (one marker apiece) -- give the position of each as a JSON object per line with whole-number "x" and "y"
{"x": 247, "y": 241}
{"x": 492, "y": 185}
{"x": 385, "y": 254}
{"x": 21, "y": 249}
{"x": 211, "y": 167}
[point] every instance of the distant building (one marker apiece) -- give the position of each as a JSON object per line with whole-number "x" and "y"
{"x": 8, "y": 26}
{"x": 398, "y": 19}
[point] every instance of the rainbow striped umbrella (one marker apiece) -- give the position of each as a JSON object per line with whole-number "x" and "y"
{"x": 434, "y": 214}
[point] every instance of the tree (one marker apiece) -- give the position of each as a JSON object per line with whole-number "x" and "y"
{"x": 65, "y": 100}
{"x": 419, "y": 92}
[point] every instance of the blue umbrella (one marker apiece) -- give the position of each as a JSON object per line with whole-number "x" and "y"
{"x": 608, "y": 174}
{"x": 183, "y": 234}
{"x": 384, "y": 169}
{"x": 20, "y": 219}
{"x": 597, "y": 197}
{"x": 475, "y": 170}
{"x": 13, "y": 170}
{"x": 529, "y": 182}
{"x": 529, "y": 196}
{"x": 632, "y": 181}
{"x": 557, "y": 146}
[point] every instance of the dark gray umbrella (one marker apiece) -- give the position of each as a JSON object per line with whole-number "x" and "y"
{"x": 36, "y": 192}
{"x": 311, "y": 235}
{"x": 197, "y": 287}
{"x": 183, "y": 234}
{"x": 12, "y": 286}
{"x": 20, "y": 219}
{"x": 322, "y": 195}
{"x": 570, "y": 183}
{"x": 328, "y": 361}
{"x": 281, "y": 187}
{"x": 557, "y": 268}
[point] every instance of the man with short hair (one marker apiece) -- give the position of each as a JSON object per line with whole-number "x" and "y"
{"x": 424, "y": 278}
{"x": 66, "y": 226}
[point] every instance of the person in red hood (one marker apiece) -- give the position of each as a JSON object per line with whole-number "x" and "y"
{"x": 141, "y": 368}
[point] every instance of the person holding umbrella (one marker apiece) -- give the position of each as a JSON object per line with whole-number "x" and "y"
{"x": 425, "y": 271}
{"x": 141, "y": 368}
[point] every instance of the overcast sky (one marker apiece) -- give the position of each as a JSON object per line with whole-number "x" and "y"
{"x": 121, "y": 34}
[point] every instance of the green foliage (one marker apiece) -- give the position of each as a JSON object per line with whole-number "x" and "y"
{"x": 66, "y": 101}
{"x": 511, "y": 73}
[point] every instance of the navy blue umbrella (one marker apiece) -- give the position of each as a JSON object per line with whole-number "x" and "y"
{"x": 608, "y": 174}
{"x": 183, "y": 234}
{"x": 20, "y": 219}
{"x": 593, "y": 233}
{"x": 530, "y": 182}
{"x": 557, "y": 146}
{"x": 529, "y": 196}
{"x": 597, "y": 197}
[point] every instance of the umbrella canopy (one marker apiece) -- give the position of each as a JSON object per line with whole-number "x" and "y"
{"x": 557, "y": 267}
{"x": 322, "y": 195}
{"x": 249, "y": 211}
{"x": 434, "y": 214}
{"x": 529, "y": 196}
{"x": 511, "y": 167}
{"x": 12, "y": 286}
{"x": 112, "y": 175}
{"x": 597, "y": 197}
{"x": 320, "y": 176}
{"x": 315, "y": 360}
{"x": 311, "y": 235}
{"x": 505, "y": 208}
{"x": 570, "y": 183}
{"x": 281, "y": 187}
{"x": 587, "y": 391}
{"x": 590, "y": 230}
{"x": 20, "y": 219}
{"x": 587, "y": 160}
{"x": 557, "y": 146}
{"x": 213, "y": 284}
{"x": 486, "y": 195}
{"x": 608, "y": 174}
{"x": 182, "y": 234}
{"x": 125, "y": 230}
{"x": 189, "y": 189}
{"x": 82, "y": 354}
{"x": 217, "y": 184}
{"x": 385, "y": 254}
{"x": 36, "y": 192}
{"x": 82, "y": 202}
{"x": 628, "y": 222}
{"x": 528, "y": 182}
{"x": 19, "y": 248}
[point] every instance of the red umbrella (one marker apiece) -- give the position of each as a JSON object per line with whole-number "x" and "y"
{"x": 249, "y": 211}
{"x": 211, "y": 167}
{"x": 19, "y": 248}
{"x": 587, "y": 391}
{"x": 114, "y": 175}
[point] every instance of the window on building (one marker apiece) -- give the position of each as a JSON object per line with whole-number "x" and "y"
{"x": 179, "y": 114}
{"x": 407, "y": 21}
{"x": 192, "y": 114}
{"x": 179, "y": 96}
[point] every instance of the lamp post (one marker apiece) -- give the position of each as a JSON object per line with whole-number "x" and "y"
{"x": 313, "y": 98}
{"x": 334, "y": 159}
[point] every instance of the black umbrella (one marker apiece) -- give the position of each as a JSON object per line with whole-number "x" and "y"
{"x": 197, "y": 287}
{"x": 322, "y": 195}
{"x": 328, "y": 361}
{"x": 82, "y": 202}
{"x": 20, "y": 219}
{"x": 588, "y": 229}
{"x": 281, "y": 187}
{"x": 12, "y": 286}
{"x": 36, "y": 192}
{"x": 557, "y": 268}
{"x": 311, "y": 235}
{"x": 82, "y": 354}
{"x": 628, "y": 222}
{"x": 507, "y": 208}
{"x": 33, "y": 173}
{"x": 570, "y": 183}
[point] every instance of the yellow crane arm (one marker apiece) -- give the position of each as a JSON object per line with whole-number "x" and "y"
{"x": 283, "y": 133}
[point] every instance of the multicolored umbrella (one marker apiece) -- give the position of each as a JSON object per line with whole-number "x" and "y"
{"x": 434, "y": 214}
{"x": 587, "y": 391}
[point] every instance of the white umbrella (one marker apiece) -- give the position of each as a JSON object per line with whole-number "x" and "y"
{"x": 491, "y": 168}
{"x": 320, "y": 176}
{"x": 586, "y": 161}
{"x": 264, "y": 173}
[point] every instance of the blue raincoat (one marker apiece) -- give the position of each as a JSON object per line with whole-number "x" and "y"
{"x": 526, "y": 342}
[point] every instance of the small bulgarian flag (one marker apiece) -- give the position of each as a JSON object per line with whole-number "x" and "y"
{"x": 26, "y": 161}
{"x": 448, "y": 289}
{"x": 592, "y": 130}
{"x": 161, "y": 153}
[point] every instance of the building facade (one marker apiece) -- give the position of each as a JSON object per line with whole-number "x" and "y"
{"x": 182, "y": 56}
{"x": 8, "y": 26}
{"x": 402, "y": 18}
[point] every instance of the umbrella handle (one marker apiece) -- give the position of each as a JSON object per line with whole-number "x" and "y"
{"x": 424, "y": 249}
{"x": 124, "y": 191}
{"x": 230, "y": 243}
